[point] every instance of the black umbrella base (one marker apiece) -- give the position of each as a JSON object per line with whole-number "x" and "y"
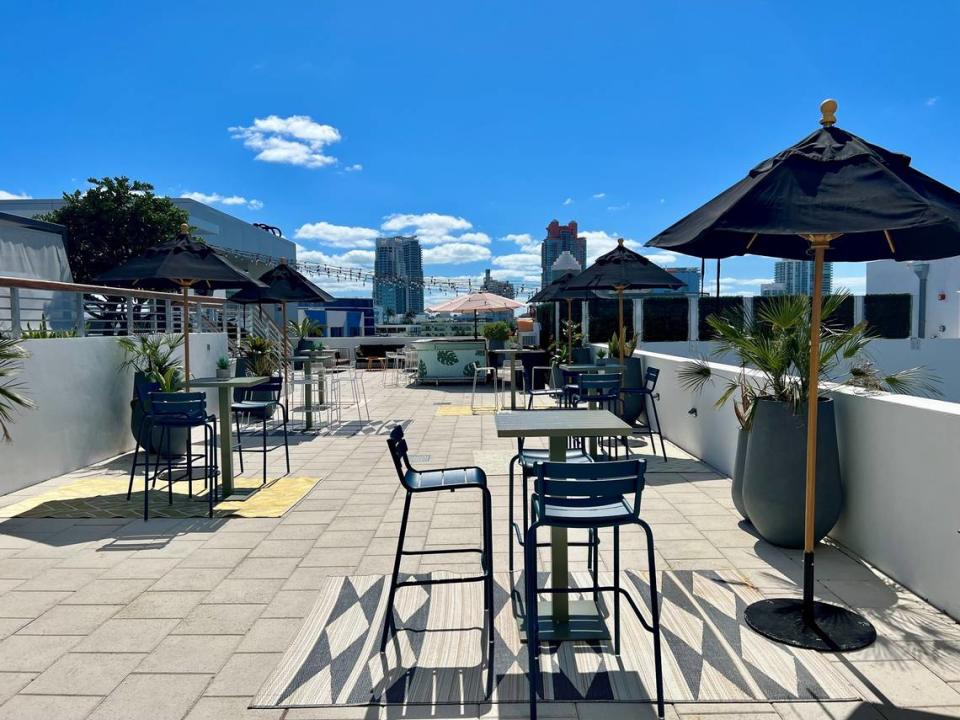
{"x": 824, "y": 627}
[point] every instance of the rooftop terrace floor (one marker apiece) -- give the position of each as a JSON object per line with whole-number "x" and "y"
{"x": 117, "y": 618}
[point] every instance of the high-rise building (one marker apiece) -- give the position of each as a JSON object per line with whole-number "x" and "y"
{"x": 689, "y": 276}
{"x": 796, "y": 277}
{"x": 565, "y": 263}
{"x": 560, "y": 238}
{"x": 497, "y": 287}
{"x": 398, "y": 275}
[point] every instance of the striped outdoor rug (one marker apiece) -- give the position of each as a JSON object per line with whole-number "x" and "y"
{"x": 709, "y": 655}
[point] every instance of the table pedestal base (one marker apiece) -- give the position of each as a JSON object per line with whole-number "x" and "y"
{"x": 585, "y": 622}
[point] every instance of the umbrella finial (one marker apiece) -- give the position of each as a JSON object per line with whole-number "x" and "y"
{"x": 184, "y": 229}
{"x": 828, "y": 108}
{"x": 620, "y": 241}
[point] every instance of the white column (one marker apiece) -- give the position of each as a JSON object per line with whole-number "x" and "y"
{"x": 585, "y": 325}
{"x": 693, "y": 318}
{"x": 638, "y": 319}
{"x": 857, "y": 309}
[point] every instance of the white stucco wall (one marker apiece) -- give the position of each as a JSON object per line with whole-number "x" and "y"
{"x": 82, "y": 412}
{"x": 943, "y": 284}
{"x": 900, "y": 462}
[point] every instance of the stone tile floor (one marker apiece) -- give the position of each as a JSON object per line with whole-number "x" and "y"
{"x": 186, "y": 618}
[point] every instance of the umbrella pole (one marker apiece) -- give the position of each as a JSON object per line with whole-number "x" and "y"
{"x": 807, "y": 623}
{"x": 286, "y": 354}
{"x": 475, "y": 335}
{"x": 621, "y": 331}
{"x": 186, "y": 338}
{"x": 569, "y": 330}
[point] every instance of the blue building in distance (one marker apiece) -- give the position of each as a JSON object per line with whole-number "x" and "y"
{"x": 344, "y": 317}
{"x": 689, "y": 276}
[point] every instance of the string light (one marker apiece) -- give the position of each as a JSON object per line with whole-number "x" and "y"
{"x": 339, "y": 273}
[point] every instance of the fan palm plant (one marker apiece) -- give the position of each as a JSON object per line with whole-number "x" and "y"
{"x": 776, "y": 344}
{"x": 152, "y": 355}
{"x": 11, "y": 356}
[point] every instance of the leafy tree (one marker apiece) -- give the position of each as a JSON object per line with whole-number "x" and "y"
{"x": 113, "y": 221}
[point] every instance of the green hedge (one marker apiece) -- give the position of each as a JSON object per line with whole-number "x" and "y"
{"x": 604, "y": 318}
{"x": 715, "y": 306}
{"x": 888, "y": 316}
{"x": 665, "y": 319}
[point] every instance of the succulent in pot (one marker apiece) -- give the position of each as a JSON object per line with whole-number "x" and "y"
{"x": 223, "y": 367}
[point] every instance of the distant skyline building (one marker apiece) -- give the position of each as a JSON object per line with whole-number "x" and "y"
{"x": 689, "y": 276}
{"x": 796, "y": 277}
{"x": 398, "y": 275}
{"x": 565, "y": 263}
{"x": 774, "y": 288}
{"x": 561, "y": 238}
{"x": 497, "y": 287}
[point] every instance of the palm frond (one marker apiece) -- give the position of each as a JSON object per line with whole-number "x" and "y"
{"x": 11, "y": 397}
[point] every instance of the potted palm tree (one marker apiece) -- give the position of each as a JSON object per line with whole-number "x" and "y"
{"x": 11, "y": 356}
{"x": 259, "y": 356}
{"x": 154, "y": 361}
{"x": 771, "y": 388}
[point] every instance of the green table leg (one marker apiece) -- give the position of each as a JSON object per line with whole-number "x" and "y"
{"x": 513, "y": 381}
{"x": 226, "y": 441}
{"x": 558, "y": 548}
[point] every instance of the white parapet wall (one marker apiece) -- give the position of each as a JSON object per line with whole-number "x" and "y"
{"x": 82, "y": 412}
{"x": 900, "y": 461}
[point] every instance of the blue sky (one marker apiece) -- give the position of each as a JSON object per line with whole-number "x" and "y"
{"x": 471, "y": 123}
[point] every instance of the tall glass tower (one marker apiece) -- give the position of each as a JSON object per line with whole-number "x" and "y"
{"x": 560, "y": 238}
{"x": 398, "y": 275}
{"x": 796, "y": 277}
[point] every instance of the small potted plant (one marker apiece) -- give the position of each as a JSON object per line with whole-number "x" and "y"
{"x": 601, "y": 356}
{"x": 496, "y": 334}
{"x": 223, "y": 367}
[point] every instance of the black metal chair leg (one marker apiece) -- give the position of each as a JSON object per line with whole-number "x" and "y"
{"x": 236, "y": 417}
{"x": 264, "y": 481}
{"x": 286, "y": 444}
{"x": 533, "y": 638}
{"x": 616, "y": 590}
{"x": 512, "y": 465}
{"x": 646, "y": 411}
{"x": 189, "y": 462}
{"x": 656, "y": 417}
{"x": 388, "y": 622}
{"x": 165, "y": 433}
{"x": 654, "y": 616}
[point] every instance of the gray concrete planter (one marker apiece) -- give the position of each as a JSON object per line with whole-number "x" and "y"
{"x": 632, "y": 378}
{"x": 736, "y": 491}
{"x": 774, "y": 473}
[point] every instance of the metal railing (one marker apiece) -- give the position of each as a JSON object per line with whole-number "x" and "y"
{"x": 46, "y": 308}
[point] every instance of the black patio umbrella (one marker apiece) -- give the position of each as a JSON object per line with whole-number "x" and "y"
{"x": 833, "y": 192}
{"x": 182, "y": 263}
{"x": 622, "y": 270}
{"x": 282, "y": 284}
{"x": 555, "y": 292}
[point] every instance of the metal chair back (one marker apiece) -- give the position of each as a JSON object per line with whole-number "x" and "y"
{"x": 650, "y": 379}
{"x": 186, "y": 406}
{"x": 589, "y": 485}
{"x": 399, "y": 450}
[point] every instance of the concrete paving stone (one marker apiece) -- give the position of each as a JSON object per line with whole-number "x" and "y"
{"x": 9, "y": 584}
{"x": 127, "y": 635}
{"x": 907, "y": 683}
{"x": 686, "y": 549}
{"x": 8, "y": 626}
{"x": 376, "y": 565}
{"x": 108, "y": 592}
{"x": 190, "y": 654}
{"x": 875, "y": 592}
{"x": 142, "y": 568}
{"x": 166, "y": 604}
{"x": 282, "y": 548}
{"x": 191, "y": 578}
{"x": 55, "y": 578}
{"x": 265, "y": 568}
{"x": 33, "y": 653}
{"x": 343, "y": 524}
{"x": 291, "y": 604}
{"x": 70, "y": 620}
{"x": 163, "y": 696}
{"x": 232, "y": 619}
{"x": 23, "y": 568}
{"x": 214, "y": 558}
{"x": 84, "y": 674}
{"x": 45, "y": 707}
{"x": 297, "y": 532}
{"x": 721, "y": 708}
{"x": 235, "y": 540}
{"x": 827, "y": 711}
{"x": 244, "y": 590}
{"x": 242, "y": 672}
{"x": 18, "y": 604}
{"x": 632, "y": 711}
{"x": 12, "y": 682}
{"x": 230, "y": 708}
{"x": 332, "y": 556}
{"x": 270, "y": 635}
{"x": 310, "y": 518}
{"x": 345, "y": 539}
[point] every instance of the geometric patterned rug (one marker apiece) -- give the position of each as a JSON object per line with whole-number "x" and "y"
{"x": 438, "y": 656}
{"x": 106, "y": 497}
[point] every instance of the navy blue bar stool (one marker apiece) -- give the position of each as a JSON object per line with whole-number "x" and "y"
{"x": 422, "y": 481}
{"x": 590, "y": 496}
{"x": 259, "y": 402}
{"x": 167, "y": 411}
{"x": 648, "y": 392}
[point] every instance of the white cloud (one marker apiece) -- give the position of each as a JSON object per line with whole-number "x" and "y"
{"x": 526, "y": 241}
{"x": 294, "y": 140}
{"x": 218, "y": 199}
{"x": 518, "y": 261}
{"x": 568, "y": 201}
{"x": 434, "y": 228}
{"x": 600, "y": 242}
{"x": 4, "y": 195}
{"x": 340, "y": 236}
{"x": 735, "y": 286}
{"x": 617, "y": 208}
{"x": 599, "y": 196}
{"x": 518, "y": 275}
{"x": 454, "y": 253}
{"x": 932, "y": 101}
{"x": 356, "y": 167}
{"x": 662, "y": 201}
{"x": 349, "y": 259}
